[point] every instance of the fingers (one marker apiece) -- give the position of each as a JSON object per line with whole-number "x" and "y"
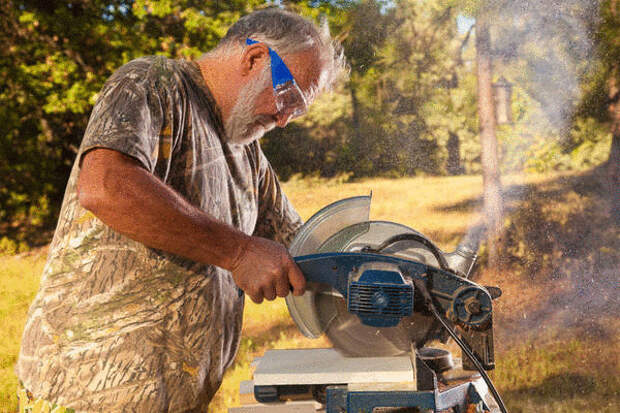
{"x": 296, "y": 278}
{"x": 257, "y": 298}
{"x": 269, "y": 292}
{"x": 282, "y": 286}
{"x": 266, "y": 271}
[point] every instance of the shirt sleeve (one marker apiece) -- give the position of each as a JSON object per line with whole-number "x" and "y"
{"x": 277, "y": 219}
{"x": 128, "y": 116}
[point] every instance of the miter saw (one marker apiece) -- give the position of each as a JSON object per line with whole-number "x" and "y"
{"x": 381, "y": 291}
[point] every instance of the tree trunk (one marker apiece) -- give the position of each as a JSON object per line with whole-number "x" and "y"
{"x": 493, "y": 206}
{"x": 453, "y": 165}
{"x": 613, "y": 162}
{"x": 360, "y": 154}
{"x": 355, "y": 107}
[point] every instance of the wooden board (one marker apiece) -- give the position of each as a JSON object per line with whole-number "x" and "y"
{"x": 287, "y": 407}
{"x": 327, "y": 366}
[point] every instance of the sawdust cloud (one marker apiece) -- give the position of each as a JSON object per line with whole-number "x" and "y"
{"x": 547, "y": 46}
{"x": 554, "y": 41}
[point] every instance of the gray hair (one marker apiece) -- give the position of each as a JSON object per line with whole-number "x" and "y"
{"x": 287, "y": 33}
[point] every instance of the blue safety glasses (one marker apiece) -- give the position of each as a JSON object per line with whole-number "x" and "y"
{"x": 290, "y": 101}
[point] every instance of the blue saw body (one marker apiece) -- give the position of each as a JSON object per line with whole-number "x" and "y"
{"x": 379, "y": 289}
{"x": 380, "y": 297}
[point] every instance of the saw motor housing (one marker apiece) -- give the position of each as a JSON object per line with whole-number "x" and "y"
{"x": 379, "y": 295}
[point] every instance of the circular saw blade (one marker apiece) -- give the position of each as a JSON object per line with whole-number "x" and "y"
{"x": 345, "y": 330}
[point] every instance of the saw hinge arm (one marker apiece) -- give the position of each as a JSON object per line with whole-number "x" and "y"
{"x": 420, "y": 285}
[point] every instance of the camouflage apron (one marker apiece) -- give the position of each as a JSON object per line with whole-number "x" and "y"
{"x": 121, "y": 327}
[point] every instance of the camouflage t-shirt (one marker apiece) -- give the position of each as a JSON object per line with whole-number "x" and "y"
{"x": 118, "y": 326}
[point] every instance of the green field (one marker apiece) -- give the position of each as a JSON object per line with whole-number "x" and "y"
{"x": 557, "y": 333}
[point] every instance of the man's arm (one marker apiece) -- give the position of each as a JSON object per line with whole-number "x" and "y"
{"x": 132, "y": 201}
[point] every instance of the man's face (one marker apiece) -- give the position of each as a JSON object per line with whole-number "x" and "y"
{"x": 255, "y": 112}
{"x": 243, "y": 126}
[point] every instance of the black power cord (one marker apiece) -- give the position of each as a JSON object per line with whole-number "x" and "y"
{"x": 443, "y": 264}
{"x": 419, "y": 284}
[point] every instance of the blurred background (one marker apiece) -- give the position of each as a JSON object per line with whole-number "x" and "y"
{"x": 460, "y": 116}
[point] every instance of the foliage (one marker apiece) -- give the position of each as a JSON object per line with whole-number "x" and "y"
{"x": 410, "y": 99}
{"x": 595, "y": 85}
{"x": 586, "y": 146}
{"x": 11, "y": 247}
{"x": 54, "y": 58}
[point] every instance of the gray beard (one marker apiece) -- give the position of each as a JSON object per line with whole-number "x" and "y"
{"x": 242, "y": 127}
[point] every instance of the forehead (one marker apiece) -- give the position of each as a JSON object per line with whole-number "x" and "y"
{"x": 307, "y": 70}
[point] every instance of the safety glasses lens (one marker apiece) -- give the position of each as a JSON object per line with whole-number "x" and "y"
{"x": 290, "y": 100}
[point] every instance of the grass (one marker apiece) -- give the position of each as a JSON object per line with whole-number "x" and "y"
{"x": 572, "y": 376}
{"x": 547, "y": 360}
{"x": 442, "y": 208}
{"x": 19, "y": 281}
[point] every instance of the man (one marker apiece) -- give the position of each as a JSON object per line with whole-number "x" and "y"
{"x": 171, "y": 213}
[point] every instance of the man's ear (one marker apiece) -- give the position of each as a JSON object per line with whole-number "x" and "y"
{"x": 254, "y": 56}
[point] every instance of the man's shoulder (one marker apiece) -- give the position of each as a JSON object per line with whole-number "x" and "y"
{"x": 156, "y": 69}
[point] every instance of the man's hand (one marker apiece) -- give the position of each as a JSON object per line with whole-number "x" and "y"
{"x": 264, "y": 269}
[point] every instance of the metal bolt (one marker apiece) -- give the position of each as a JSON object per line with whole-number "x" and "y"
{"x": 473, "y": 306}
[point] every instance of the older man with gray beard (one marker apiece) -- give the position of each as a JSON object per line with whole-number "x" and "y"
{"x": 171, "y": 213}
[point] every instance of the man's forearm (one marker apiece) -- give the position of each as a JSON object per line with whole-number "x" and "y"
{"x": 137, "y": 204}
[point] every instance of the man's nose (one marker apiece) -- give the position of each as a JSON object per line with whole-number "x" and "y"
{"x": 282, "y": 119}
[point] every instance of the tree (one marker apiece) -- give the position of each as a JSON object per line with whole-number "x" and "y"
{"x": 493, "y": 204}
{"x": 413, "y": 94}
{"x": 608, "y": 42}
{"x": 410, "y": 94}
